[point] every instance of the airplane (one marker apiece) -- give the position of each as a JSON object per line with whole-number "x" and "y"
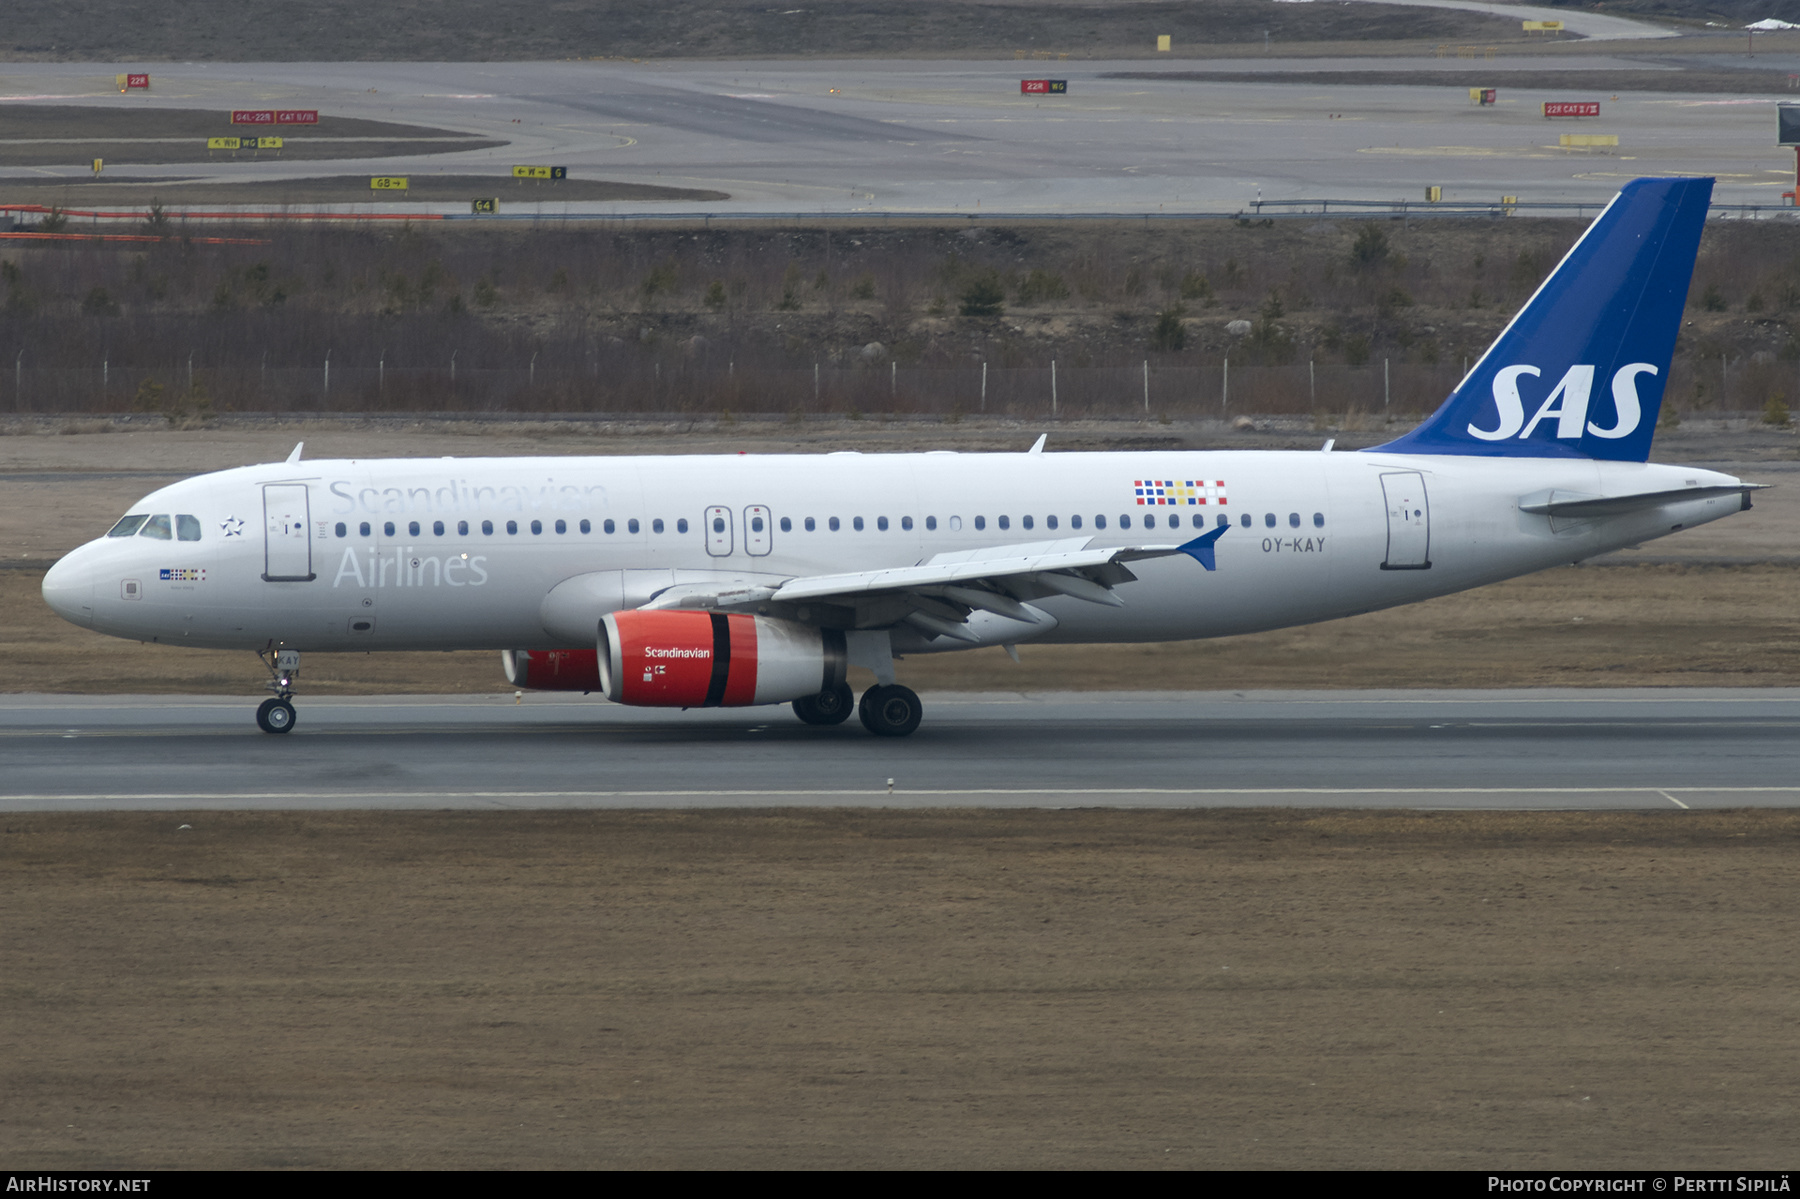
{"x": 738, "y": 580}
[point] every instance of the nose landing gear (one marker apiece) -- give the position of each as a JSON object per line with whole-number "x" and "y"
{"x": 277, "y": 715}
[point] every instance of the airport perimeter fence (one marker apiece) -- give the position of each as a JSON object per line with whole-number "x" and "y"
{"x": 187, "y": 387}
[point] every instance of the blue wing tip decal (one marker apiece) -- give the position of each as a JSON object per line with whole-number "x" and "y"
{"x": 1200, "y": 549}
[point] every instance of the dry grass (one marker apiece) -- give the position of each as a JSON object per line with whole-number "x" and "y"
{"x": 713, "y": 320}
{"x": 1089, "y": 989}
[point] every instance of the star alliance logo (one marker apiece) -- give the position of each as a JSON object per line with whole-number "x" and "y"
{"x": 232, "y": 526}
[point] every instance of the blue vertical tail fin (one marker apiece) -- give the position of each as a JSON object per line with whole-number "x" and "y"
{"x": 1580, "y": 371}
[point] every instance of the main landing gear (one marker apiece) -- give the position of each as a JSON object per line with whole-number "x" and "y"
{"x": 886, "y": 711}
{"x": 827, "y": 707}
{"x": 277, "y": 715}
{"x": 890, "y": 710}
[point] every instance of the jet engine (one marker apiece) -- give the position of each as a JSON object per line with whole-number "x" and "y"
{"x": 552, "y": 669}
{"x": 676, "y": 659}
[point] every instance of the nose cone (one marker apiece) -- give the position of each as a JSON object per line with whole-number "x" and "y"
{"x": 69, "y": 589}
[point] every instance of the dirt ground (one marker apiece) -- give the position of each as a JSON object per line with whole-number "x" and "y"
{"x": 881, "y": 989}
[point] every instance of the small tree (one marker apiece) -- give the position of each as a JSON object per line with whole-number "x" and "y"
{"x": 1169, "y": 335}
{"x": 984, "y": 296}
{"x": 1370, "y": 249}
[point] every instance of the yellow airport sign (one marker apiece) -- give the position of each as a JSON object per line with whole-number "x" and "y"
{"x": 99, "y": 163}
{"x": 119, "y": 82}
{"x": 1542, "y": 26}
{"x": 1589, "y": 139}
{"x": 1434, "y": 194}
{"x": 478, "y": 207}
{"x": 388, "y": 183}
{"x": 1163, "y": 42}
{"x": 268, "y": 143}
{"x": 223, "y": 143}
{"x": 540, "y": 172}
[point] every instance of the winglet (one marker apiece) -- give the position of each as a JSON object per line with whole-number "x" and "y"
{"x": 1200, "y": 549}
{"x": 1037, "y": 447}
{"x": 295, "y": 456}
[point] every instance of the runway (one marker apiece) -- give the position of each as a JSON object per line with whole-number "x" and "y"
{"x": 1514, "y": 750}
{"x": 900, "y": 137}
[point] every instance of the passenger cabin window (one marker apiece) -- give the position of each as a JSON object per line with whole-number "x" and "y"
{"x": 1074, "y": 522}
{"x": 631, "y": 526}
{"x": 412, "y": 528}
{"x": 1026, "y": 521}
{"x": 586, "y": 527}
{"x": 881, "y": 523}
{"x": 856, "y": 523}
{"x": 1099, "y": 522}
{"x": 811, "y": 525}
{"x": 562, "y": 526}
{"x": 387, "y": 528}
{"x": 931, "y": 523}
{"x": 187, "y": 528}
{"x": 1246, "y": 520}
{"x": 157, "y": 528}
{"x": 906, "y": 523}
{"x": 128, "y": 525}
{"x": 680, "y": 525}
{"x": 537, "y": 528}
{"x": 462, "y": 528}
{"x": 487, "y": 528}
{"x": 1268, "y": 520}
{"x": 832, "y": 524}
{"x": 607, "y": 526}
{"x": 363, "y": 529}
{"x": 512, "y": 527}
{"x": 1006, "y": 522}
{"x": 787, "y": 525}
{"x": 1318, "y": 520}
{"x": 1125, "y": 521}
{"x": 437, "y": 528}
{"x": 1293, "y": 520}
{"x": 342, "y": 530}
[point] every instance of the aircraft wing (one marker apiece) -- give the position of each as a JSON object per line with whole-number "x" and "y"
{"x": 938, "y": 595}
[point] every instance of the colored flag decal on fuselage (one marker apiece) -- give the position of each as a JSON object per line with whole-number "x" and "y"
{"x": 1173, "y": 493}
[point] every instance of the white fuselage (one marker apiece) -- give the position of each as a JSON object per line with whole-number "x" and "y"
{"x": 399, "y": 556}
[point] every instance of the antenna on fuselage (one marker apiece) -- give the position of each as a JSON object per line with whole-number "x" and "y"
{"x": 295, "y": 456}
{"x": 1037, "y": 447}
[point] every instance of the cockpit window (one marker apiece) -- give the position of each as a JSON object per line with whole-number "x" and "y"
{"x": 128, "y": 525}
{"x": 157, "y": 527}
{"x": 187, "y": 528}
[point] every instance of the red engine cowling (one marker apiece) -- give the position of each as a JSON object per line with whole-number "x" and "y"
{"x": 713, "y": 659}
{"x": 552, "y": 669}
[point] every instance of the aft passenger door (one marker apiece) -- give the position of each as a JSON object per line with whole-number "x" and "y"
{"x": 287, "y": 541}
{"x": 1408, "y": 521}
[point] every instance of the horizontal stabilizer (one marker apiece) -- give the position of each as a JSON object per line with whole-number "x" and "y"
{"x": 1586, "y": 507}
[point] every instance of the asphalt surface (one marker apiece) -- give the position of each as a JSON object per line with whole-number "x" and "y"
{"x": 1527, "y": 750}
{"x": 901, "y": 137}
